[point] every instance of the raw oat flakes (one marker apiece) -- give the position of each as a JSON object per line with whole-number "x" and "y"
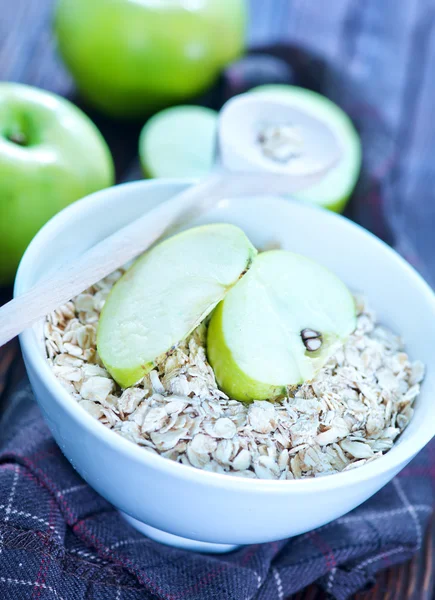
{"x": 351, "y": 413}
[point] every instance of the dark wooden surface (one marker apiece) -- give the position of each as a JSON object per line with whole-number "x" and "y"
{"x": 28, "y": 55}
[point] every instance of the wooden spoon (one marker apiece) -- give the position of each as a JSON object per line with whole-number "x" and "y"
{"x": 241, "y": 170}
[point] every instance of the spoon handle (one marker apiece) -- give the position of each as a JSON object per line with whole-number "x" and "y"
{"x": 105, "y": 257}
{"x": 128, "y": 242}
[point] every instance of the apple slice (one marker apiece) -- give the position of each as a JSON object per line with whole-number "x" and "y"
{"x": 278, "y": 326}
{"x": 179, "y": 142}
{"x": 165, "y": 294}
{"x": 334, "y": 190}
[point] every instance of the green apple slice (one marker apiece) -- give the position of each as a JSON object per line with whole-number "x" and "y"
{"x": 335, "y": 189}
{"x": 179, "y": 142}
{"x": 278, "y": 326}
{"x": 165, "y": 294}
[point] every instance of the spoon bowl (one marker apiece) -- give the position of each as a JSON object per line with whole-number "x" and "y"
{"x": 240, "y": 124}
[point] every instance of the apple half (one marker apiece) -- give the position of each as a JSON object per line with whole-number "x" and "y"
{"x": 278, "y": 326}
{"x": 166, "y": 294}
{"x": 334, "y": 190}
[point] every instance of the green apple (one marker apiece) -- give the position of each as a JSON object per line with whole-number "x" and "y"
{"x": 131, "y": 57}
{"x": 335, "y": 189}
{"x": 179, "y": 142}
{"x": 278, "y": 326}
{"x": 51, "y": 154}
{"x": 165, "y": 294}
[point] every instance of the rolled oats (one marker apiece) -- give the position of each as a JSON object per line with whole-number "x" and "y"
{"x": 242, "y": 462}
{"x": 266, "y": 468}
{"x": 222, "y": 428}
{"x": 349, "y": 414}
{"x": 97, "y": 388}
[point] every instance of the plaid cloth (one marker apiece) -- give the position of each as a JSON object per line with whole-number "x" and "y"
{"x": 60, "y": 541}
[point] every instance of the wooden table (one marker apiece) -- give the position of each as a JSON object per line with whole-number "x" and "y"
{"x": 28, "y": 55}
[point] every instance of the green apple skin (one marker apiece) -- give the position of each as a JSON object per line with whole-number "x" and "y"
{"x": 232, "y": 379}
{"x": 64, "y": 158}
{"x": 133, "y": 57}
{"x": 335, "y": 190}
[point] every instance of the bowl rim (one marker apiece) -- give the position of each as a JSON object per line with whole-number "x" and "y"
{"x": 393, "y": 459}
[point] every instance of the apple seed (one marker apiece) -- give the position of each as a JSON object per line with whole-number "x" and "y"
{"x": 312, "y": 339}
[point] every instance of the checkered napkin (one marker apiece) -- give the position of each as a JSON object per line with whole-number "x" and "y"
{"x": 59, "y": 540}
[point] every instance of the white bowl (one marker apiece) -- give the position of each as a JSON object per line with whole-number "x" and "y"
{"x": 163, "y": 496}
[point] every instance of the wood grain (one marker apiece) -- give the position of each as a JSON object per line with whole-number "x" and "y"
{"x": 28, "y": 55}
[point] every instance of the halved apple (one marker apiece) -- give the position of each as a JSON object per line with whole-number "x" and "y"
{"x": 278, "y": 326}
{"x": 166, "y": 294}
{"x": 335, "y": 189}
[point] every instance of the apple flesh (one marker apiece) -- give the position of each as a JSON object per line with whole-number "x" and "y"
{"x": 51, "y": 154}
{"x": 166, "y": 294}
{"x": 334, "y": 190}
{"x": 278, "y": 326}
{"x": 132, "y": 57}
{"x": 179, "y": 142}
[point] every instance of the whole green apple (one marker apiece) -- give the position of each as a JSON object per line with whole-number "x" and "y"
{"x": 51, "y": 154}
{"x": 131, "y": 57}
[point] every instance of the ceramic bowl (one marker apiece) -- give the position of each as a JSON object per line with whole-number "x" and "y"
{"x": 197, "y": 509}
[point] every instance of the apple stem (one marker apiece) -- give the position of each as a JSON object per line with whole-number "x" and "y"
{"x": 18, "y": 138}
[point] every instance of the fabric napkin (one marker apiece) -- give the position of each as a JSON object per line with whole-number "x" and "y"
{"x": 60, "y": 540}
